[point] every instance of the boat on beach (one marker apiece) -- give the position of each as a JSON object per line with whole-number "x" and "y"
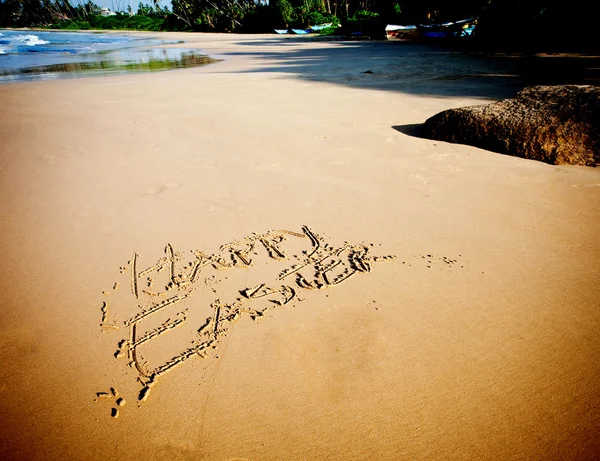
{"x": 308, "y": 30}
{"x": 462, "y": 28}
{"x": 395, "y": 32}
{"x": 321, "y": 26}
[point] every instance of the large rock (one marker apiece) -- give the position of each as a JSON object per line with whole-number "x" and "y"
{"x": 553, "y": 124}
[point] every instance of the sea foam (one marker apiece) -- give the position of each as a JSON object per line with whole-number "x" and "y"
{"x": 30, "y": 40}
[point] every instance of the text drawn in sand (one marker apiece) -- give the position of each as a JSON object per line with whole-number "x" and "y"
{"x": 195, "y": 298}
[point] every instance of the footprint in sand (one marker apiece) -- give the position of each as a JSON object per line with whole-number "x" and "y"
{"x": 447, "y": 169}
{"x": 421, "y": 178}
{"x": 111, "y": 395}
{"x": 160, "y": 188}
{"x": 439, "y": 157}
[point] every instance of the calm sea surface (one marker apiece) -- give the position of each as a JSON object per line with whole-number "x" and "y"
{"x": 41, "y": 55}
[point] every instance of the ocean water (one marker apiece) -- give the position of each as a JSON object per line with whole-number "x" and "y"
{"x": 47, "y": 55}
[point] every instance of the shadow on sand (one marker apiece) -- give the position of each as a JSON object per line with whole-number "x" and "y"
{"x": 417, "y": 68}
{"x": 412, "y": 130}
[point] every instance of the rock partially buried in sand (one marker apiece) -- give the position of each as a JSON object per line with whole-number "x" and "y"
{"x": 552, "y": 124}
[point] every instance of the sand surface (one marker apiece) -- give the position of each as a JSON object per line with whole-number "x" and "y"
{"x": 119, "y": 195}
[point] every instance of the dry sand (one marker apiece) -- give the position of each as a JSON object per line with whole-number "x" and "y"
{"x": 480, "y": 340}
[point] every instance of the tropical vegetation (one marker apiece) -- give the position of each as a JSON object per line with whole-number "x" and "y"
{"x": 517, "y": 22}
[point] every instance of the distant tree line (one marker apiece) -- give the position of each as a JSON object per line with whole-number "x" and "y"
{"x": 503, "y": 23}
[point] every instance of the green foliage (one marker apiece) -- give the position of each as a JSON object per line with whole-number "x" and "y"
{"x": 363, "y": 15}
{"x": 315, "y": 18}
{"x": 315, "y": 5}
{"x": 117, "y": 22}
{"x": 237, "y": 15}
{"x": 503, "y": 23}
{"x": 89, "y": 8}
{"x": 76, "y": 24}
{"x": 284, "y": 14}
{"x": 329, "y": 31}
{"x": 18, "y": 13}
{"x": 363, "y": 21}
{"x": 152, "y": 11}
{"x": 209, "y": 15}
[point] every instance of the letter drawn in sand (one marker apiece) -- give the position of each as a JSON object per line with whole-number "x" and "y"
{"x": 163, "y": 294}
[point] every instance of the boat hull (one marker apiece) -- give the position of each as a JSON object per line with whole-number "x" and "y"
{"x": 394, "y": 32}
{"x": 445, "y": 30}
{"x": 321, "y": 26}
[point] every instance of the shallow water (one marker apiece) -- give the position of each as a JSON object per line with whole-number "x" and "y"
{"x": 48, "y": 55}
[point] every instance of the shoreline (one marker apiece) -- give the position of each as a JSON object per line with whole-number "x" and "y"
{"x": 530, "y": 69}
{"x": 76, "y": 55}
{"x": 142, "y": 199}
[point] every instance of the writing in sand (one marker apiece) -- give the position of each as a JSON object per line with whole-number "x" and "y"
{"x": 160, "y": 295}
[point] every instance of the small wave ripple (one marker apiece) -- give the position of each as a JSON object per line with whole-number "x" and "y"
{"x": 29, "y": 40}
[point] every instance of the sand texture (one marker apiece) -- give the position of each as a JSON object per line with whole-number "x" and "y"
{"x": 256, "y": 260}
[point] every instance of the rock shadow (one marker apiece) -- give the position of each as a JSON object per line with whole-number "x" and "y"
{"x": 414, "y": 130}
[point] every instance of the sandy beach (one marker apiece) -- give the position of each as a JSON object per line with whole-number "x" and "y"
{"x": 257, "y": 260}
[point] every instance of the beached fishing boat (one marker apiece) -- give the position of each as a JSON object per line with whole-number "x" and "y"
{"x": 282, "y": 31}
{"x": 301, "y": 31}
{"x": 395, "y": 32}
{"x": 460, "y": 28}
{"x": 467, "y": 26}
{"x": 321, "y": 26}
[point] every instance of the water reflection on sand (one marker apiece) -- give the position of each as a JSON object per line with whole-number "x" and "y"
{"x": 111, "y": 62}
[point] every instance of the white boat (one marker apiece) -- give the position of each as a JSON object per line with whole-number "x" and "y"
{"x": 321, "y": 26}
{"x": 460, "y": 28}
{"x": 393, "y": 31}
{"x": 392, "y": 27}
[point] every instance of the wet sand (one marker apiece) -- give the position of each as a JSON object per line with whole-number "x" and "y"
{"x": 263, "y": 263}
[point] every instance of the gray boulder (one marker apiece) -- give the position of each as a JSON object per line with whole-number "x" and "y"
{"x": 552, "y": 124}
